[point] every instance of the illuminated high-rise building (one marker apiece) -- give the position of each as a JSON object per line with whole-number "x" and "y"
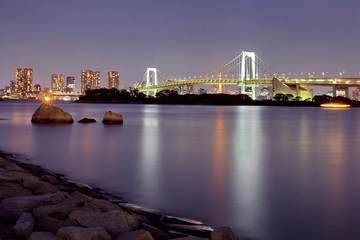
{"x": 113, "y": 79}
{"x": 89, "y": 80}
{"x": 22, "y": 84}
{"x": 96, "y": 79}
{"x": 57, "y": 82}
{"x": 13, "y": 88}
{"x": 70, "y": 84}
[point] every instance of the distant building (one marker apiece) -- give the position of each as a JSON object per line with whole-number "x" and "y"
{"x": 37, "y": 88}
{"x": 46, "y": 90}
{"x": 202, "y": 91}
{"x": 128, "y": 89}
{"x": 265, "y": 93}
{"x": 113, "y": 80}
{"x": 7, "y": 91}
{"x": 70, "y": 84}
{"x": 57, "y": 82}
{"x": 22, "y": 84}
{"x": 89, "y": 80}
{"x": 355, "y": 95}
{"x": 219, "y": 88}
{"x": 189, "y": 89}
{"x": 13, "y": 88}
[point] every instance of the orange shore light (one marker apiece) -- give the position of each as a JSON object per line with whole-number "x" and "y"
{"x": 335, "y": 105}
{"x": 47, "y": 99}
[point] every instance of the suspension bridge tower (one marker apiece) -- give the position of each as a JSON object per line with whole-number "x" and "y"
{"x": 249, "y": 70}
{"x": 151, "y": 78}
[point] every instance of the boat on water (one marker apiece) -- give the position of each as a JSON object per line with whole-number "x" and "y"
{"x": 335, "y": 105}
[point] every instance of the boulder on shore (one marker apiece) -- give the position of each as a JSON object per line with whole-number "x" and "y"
{"x": 24, "y": 225}
{"x": 114, "y": 222}
{"x": 80, "y": 233}
{"x": 112, "y": 118}
{"x": 47, "y": 113}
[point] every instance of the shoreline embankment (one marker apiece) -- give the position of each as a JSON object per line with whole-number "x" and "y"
{"x": 36, "y": 203}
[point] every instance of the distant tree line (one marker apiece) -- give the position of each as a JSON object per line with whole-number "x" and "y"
{"x": 169, "y": 96}
{"x": 113, "y": 95}
{"x": 163, "y": 96}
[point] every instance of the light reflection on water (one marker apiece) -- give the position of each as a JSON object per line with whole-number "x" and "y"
{"x": 268, "y": 172}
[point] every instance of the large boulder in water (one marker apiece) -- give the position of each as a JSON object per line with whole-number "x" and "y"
{"x": 47, "y": 113}
{"x": 112, "y": 118}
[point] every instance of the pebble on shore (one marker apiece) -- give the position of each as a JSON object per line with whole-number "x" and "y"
{"x": 37, "y": 204}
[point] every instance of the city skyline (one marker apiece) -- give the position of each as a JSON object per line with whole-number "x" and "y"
{"x": 180, "y": 38}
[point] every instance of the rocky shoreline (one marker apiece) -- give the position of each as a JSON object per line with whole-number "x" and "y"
{"x": 37, "y": 204}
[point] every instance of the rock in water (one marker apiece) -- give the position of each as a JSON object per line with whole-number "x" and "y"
{"x": 87, "y": 120}
{"x": 47, "y": 113}
{"x": 112, "y": 118}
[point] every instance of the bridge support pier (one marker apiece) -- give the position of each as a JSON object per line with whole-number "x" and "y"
{"x": 345, "y": 89}
{"x": 245, "y": 90}
{"x": 253, "y": 92}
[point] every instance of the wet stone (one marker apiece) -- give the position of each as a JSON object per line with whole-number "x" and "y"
{"x": 114, "y": 222}
{"x": 79, "y": 233}
{"x": 43, "y": 236}
{"x": 24, "y": 225}
{"x": 12, "y": 208}
{"x": 135, "y": 235}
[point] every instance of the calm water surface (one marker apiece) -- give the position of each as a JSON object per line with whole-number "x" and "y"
{"x": 267, "y": 172}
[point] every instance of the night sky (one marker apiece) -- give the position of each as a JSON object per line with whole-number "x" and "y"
{"x": 179, "y": 37}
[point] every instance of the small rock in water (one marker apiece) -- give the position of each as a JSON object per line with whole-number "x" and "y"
{"x": 47, "y": 113}
{"x": 87, "y": 120}
{"x": 112, "y": 118}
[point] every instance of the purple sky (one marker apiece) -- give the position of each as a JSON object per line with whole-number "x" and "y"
{"x": 179, "y": 37}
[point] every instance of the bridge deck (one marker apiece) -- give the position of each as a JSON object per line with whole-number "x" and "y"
{"x": 346, "y": 82}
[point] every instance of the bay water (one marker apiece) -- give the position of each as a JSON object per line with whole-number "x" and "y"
{"x": 266, "y": 172}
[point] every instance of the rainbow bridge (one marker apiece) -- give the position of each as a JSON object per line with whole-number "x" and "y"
{"x": 248, "y": 72}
